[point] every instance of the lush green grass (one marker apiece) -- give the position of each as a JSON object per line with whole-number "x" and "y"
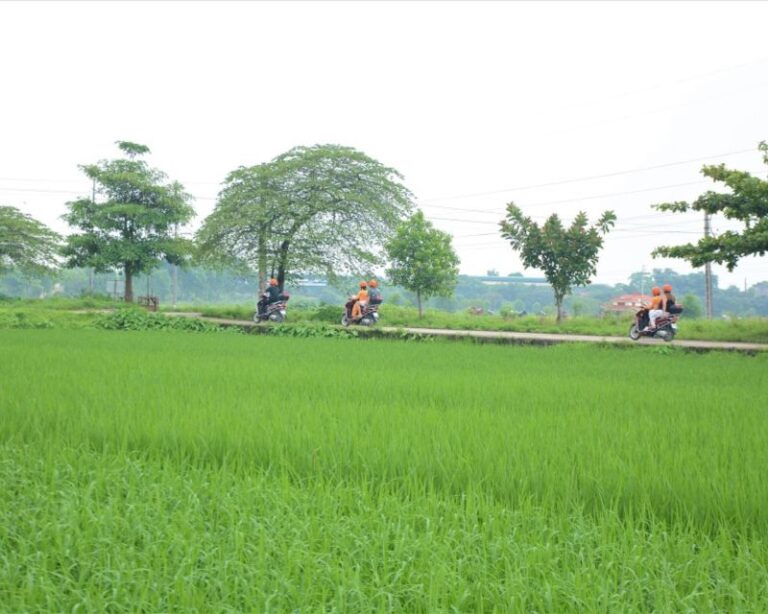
{"x": 24, "y": 317}
{"x": 151, "y": 471}
{"x": 95, "y": 301}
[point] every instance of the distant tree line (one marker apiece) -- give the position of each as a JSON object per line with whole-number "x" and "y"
{"x": 199, "y": 285}
{"x": 333, "y": 211}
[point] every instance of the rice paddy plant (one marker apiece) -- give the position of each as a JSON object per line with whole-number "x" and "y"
{"x": 167, "y": 472}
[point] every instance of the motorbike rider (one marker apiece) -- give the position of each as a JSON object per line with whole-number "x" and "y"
{"x": 672, "y": 306}
{"x": 656, "y": 308}
{"x": 271, "y": 295}
{"x": 361, "y": 300}
{"x": 374, "y": 295}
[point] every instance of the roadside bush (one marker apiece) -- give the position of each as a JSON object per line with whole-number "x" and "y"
{"x": 138, "y": 319}
{"x": 310, "y": 330}
{"x": 23, "y": 317}
{"x": 326, "y": 313}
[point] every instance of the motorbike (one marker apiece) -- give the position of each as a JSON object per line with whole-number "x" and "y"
{"x": 369, "y": 315}
{"x": 666, "y": 326}
{"x": 274, "y": 312}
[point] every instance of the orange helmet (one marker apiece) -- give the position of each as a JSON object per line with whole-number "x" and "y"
{"x": 273, "y": 282}
{"x": 667, "y": 287}
{"x": 656, "y": 291}
{"x": 373, "y": 283}
{"x": 363, "y": 284}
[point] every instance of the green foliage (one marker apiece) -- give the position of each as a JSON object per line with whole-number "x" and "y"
{"x": 323, "y": 208}
{"x": 134, "y": 227}
{"x": 747, "y": 202}
{"x": 311, "y": 330}
{"x": 326, "y": 313}
{"x": 233, "y": 312}
{"x": 567, "y": 256}
{"x": 22, "y": 319}
{"x": 20, "y": 315}
{"x": 692, "y": 306}
{"x": 26, "y": 243}
{"x": 423, "y": 259}
{"x": 138, "y": 319}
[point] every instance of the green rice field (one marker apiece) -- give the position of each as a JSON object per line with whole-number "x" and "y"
{"x": 182, "y": 472}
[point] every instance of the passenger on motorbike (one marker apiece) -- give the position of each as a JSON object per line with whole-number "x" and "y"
{"x": 374, "y": 295}
{"x": 656, "y": 308}
{"x": 672, "y": 306}
{"x": 271, "y": 295}
{"x": 361, "y": 300}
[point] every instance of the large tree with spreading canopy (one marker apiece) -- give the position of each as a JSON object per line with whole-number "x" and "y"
{"x": 25, "y": 243}
{"x": 325, "y": 208}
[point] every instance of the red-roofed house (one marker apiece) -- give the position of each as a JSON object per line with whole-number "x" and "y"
{"x": 626, "y": 303}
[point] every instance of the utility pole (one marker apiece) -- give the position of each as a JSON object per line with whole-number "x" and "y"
{"x": 707, "y": 274}
{"x": 90, "y": 269}
{"x": 174, "y": 271}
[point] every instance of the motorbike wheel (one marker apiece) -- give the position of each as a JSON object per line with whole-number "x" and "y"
{"x": 276, "y": 317}
{"x": 669, "y": 336}
{"x": 256, "y": 317}
{"x": 344, "y": 320}
{"x": 634, "y": 332}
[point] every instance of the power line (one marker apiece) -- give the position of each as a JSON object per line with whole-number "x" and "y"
{"x": 611, "y": 194}
{"x": 589, "y": 177}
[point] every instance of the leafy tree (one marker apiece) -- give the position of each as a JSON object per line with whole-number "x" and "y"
{"x": 26, "y": 243}
{"x": 325, "y": 208}
{"x": 567, "y": 256}
{"x": 692, "y": 305}
{"x": 642, "y": 281}
{"x": 423, "y": 259}
{"x": 747, "y": 202}
{"x": 242, "y": 231}
{"x": 134, "y": 228}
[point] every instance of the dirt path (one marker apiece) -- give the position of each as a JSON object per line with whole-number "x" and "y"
{"x": 528, "y": 338}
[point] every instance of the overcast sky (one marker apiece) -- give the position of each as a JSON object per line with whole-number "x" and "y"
{"x": 476, "y": 104}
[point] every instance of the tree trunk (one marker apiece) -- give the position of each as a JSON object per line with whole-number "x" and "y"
{"x": 282, "y": 263}
{"x": 418, "y": 302}
{"x": 559, "y": 306}
{"x": 262, "y": 260}
{"x": 128, "y": 293}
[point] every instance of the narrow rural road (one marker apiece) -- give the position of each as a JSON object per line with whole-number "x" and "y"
{"x": 546, "y": 338}
{"x": 528, "y": 338}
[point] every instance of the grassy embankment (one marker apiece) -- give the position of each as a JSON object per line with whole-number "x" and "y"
{"x": 147, "y": 471}
{"x": 753, "y": 330}
{"x": 54, "y": 310}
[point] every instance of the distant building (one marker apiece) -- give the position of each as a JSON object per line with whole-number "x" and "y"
{"x": 497, "y": 280}
{"x": 626, "y": 303}
{"x": 310, "y": 283}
